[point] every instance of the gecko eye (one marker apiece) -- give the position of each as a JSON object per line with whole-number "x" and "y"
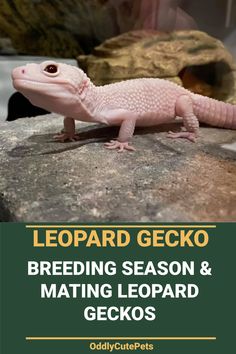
{"x": 51, "y": 69}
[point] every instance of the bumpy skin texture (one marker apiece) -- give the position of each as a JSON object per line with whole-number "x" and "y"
{"x": 67, "y": 90}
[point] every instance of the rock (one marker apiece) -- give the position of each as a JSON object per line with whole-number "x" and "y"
{"x": 191, "y": 58}
{"x": 164, "y": 180}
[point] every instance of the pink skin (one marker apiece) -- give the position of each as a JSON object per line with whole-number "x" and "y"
{"x": 67, "y": 90}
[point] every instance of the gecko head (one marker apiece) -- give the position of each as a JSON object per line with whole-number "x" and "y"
{"x": 51, "y": 85}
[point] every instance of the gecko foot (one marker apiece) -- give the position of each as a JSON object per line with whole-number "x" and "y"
{"x": 66, "y": 137}
{"x": 115, "y": 144}
{"x": 184, "y": 135}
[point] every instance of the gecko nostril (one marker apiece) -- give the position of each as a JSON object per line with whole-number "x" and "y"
{"x": 23, "y": 71}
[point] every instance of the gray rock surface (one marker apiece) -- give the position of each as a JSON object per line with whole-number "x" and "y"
{"x": 164, "y": 180}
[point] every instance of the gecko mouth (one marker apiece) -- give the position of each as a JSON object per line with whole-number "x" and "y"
{"x": 24, "y": 81}
{"x": 34, "y": 85}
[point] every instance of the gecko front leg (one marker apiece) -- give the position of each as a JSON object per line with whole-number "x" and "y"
{"x": 125, "y": 134}
{"x": 68, "y": 133}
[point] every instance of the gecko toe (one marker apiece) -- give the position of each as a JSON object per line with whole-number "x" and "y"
{"x": 121, "y": 149}
{"x": 66, "y": 137}
{"x": 182, "y": 135}
{"x": 120, "y": 146}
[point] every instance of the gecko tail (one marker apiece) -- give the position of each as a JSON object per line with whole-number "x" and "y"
{"x": 215, "y": 113}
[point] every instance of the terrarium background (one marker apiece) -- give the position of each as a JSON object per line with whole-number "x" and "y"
{"x": 71, "y": 27}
